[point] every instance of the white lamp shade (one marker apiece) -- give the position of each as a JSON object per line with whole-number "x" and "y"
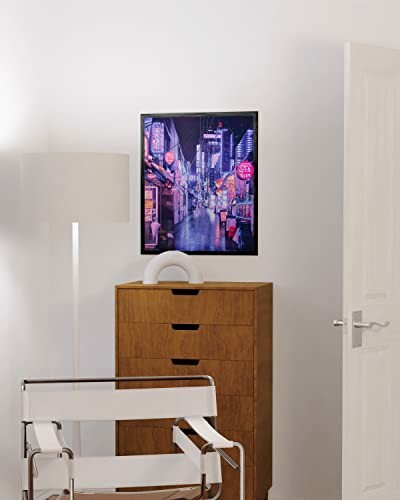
{"x": 76, "y": 187}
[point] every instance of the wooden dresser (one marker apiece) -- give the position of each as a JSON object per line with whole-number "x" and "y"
{"x": 218, "y": 329}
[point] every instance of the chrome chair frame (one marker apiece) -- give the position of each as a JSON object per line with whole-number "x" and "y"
{"x": 30, "y": 453}
{"x": 206, "y": 448}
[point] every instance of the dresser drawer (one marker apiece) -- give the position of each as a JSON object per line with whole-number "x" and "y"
{"x": 235, "y": 413}
{"x": 145, "y": 340}
{"x": 232, "y": 378}
{"x": 215, "y": 307}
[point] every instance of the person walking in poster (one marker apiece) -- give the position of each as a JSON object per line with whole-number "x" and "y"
{"x": 155, "y": 228}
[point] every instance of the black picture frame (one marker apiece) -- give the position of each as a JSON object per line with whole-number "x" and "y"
{"x": 144, "y": 169}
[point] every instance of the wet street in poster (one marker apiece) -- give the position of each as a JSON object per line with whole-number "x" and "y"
{"x": 201, "y": 231}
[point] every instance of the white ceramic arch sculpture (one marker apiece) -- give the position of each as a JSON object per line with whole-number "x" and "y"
{"x": 172, "y": 258}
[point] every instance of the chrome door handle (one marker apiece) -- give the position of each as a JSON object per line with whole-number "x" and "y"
{"x": 358, "y": 324}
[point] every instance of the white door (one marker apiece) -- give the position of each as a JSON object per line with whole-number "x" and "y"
{"x": 371, "y": 353}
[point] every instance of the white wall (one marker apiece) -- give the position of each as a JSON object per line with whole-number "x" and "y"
{"x": 113, "y": 60}
{"x": 98, "y": 63}
{"x": 34, "y": 261}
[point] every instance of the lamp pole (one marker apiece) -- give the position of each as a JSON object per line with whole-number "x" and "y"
{"x": 76, "y": 427}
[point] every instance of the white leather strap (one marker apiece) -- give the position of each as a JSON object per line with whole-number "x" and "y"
{"x": 187, "y": 446}
{"x": 188, "y": 493}
{"x": 46, "y": 437}
{"x": 121, "y": 472}
{"x": 124, "y": 404}
{"x": 208, "y": 433}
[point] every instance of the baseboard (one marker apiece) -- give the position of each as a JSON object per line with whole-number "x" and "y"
{"x": 275, "y": 494}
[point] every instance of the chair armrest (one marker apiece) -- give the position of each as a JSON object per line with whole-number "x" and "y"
{"x": 208, "y": 433}
{"x": 47, "y": 437}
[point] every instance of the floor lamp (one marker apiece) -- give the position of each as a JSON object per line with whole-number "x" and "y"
{"x": 71, "y": 188}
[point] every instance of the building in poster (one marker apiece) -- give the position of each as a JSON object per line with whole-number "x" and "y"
{"x": 199, "y": 189}
{"x": 245, "y": 147}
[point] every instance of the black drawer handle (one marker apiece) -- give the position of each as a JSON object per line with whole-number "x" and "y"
{"x": 184, "y": 326}
{"x": 185, "y": 362}
{"x": 185, "y": 291}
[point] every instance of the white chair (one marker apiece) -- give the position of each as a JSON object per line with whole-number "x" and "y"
{"x": 51, "y": 464}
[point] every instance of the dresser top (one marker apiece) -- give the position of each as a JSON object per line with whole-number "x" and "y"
{"x": 223, "y": 285}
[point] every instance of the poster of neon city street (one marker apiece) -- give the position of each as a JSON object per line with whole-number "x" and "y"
{"x": 199, "y": 183}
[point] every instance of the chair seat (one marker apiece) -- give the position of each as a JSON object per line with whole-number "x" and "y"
{"x": 168, "y": 494}
{"x": 122, "y": 472}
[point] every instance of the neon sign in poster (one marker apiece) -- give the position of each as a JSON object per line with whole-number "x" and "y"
{"x": 199, "y": 183}
{"x": 157, "y": 138}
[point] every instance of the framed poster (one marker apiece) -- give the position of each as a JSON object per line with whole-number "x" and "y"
{"x": 199, "y": 190}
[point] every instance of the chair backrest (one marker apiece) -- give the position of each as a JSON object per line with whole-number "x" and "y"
{"x": 118, "y": 404}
